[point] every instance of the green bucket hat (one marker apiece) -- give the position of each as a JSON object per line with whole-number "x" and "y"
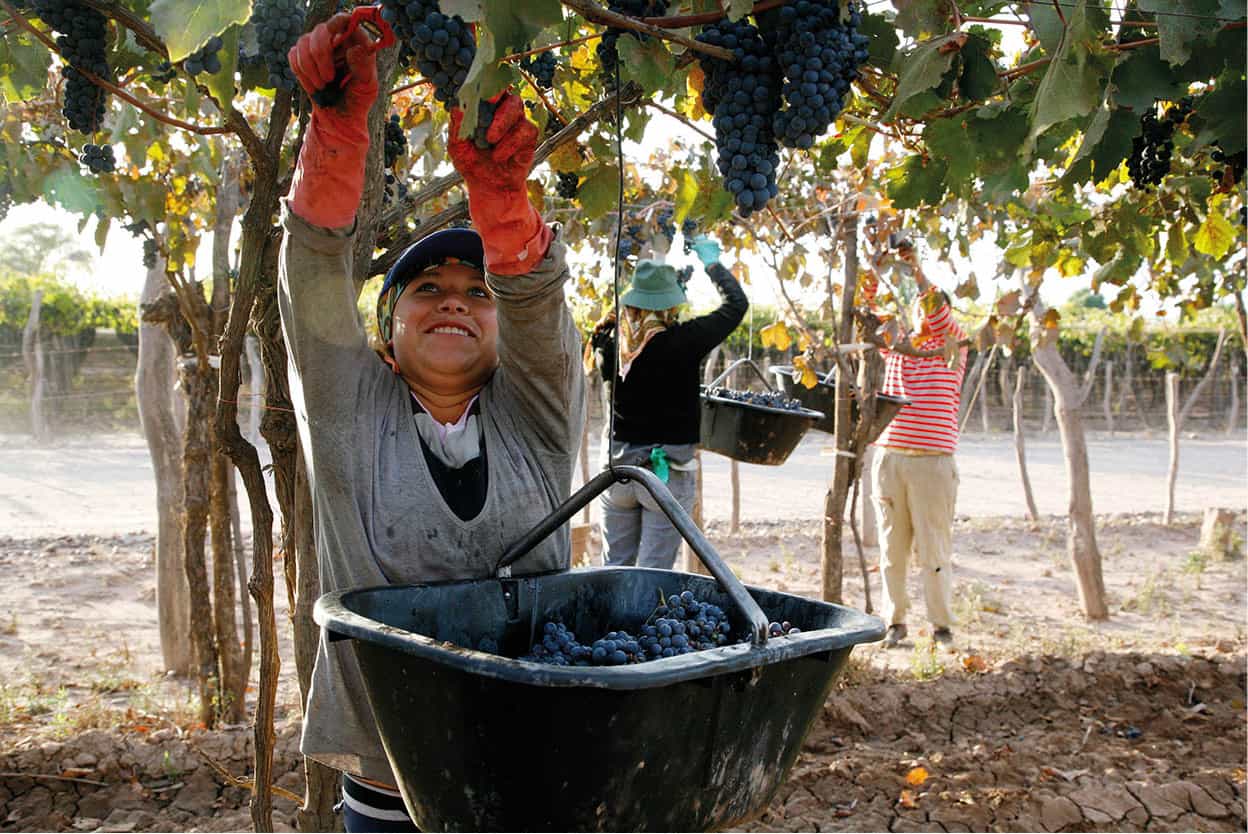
{"x": 654, "y": 287}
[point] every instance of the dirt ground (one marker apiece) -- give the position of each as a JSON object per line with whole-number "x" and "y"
{"x": 1034, "y": 720}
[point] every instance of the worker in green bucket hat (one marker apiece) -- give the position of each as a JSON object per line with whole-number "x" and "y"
{"x": 657, "y": 398}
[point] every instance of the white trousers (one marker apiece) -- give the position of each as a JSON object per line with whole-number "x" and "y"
{"x": 915, "y": 497}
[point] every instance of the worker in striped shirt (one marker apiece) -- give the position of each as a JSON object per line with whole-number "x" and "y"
{"x": 914, "y": 475}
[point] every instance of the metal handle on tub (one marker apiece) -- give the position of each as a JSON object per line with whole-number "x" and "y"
{"x": 740, "y": 597}
{"x": 733, "y": 367}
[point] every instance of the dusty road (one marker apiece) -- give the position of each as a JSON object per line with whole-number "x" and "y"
{"x": 103, "y": 485}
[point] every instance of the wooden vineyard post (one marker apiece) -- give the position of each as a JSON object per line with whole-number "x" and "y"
{"x": 1232, "y": 418}
{"x": 32, "y": 353}
{"x": 1020, "y": 450}
{"x": 1108, "y": 400}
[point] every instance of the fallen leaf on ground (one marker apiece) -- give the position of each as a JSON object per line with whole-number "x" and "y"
{"x": 917, "y": 776}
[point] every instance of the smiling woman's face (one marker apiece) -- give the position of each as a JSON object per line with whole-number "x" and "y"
{"x": 446, "y": 330}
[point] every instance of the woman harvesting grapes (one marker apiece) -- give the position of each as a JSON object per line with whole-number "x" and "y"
{"x": 657, "y": 400}
{"x": 425, "y": 466}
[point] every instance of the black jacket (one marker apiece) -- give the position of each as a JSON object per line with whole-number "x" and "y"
{"x": 659, "y": 400}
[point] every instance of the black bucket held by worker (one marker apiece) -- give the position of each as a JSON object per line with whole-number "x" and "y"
{"x": 749, "y": 432}
{"x": 480, "y": 741}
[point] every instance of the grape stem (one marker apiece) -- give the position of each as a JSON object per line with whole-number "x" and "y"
{"x": 516, "y": 56}
{"x": 684, "y": 21}
{"x": 541, "y": 95}
{"x": 113, "y": 88}
{"x": 597, "y": 14}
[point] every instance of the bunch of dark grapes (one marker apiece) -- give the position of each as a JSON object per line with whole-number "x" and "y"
{"x": 608, "y": 55}
{"x": 395, "y": 190}
{"x": 1153, "y": 148}
{"x": 767, "y": 399}
{"x": 98, "y": 158}
{"x": 278, "y": 24}
{"x": 396, "y": 140}
{"x": 205, "y": 59}
{"x": 569, "y": 184}
{"x": 149, "y": 253}
{"x": 666, "y": 226}
{"x": 442, "y": 47}
{"x": 819, "y": 55}
{"x": 542, "y": 68}
{"x": 632, "y": 239}
{"x": 6, "y": 200}
{"x": 82, "y": 42}
{"x": 744, "y": 96}
{"x": 683, "y": 276}
{"x": 687, "y": 230}
{"x": 679, "y": 625}
{"x": 163, "y": 73}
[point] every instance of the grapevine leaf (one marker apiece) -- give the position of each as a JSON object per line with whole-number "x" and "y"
{"x": 599, "y": 191}
{"x": 1140, "y": 77}
{"x": 566, "y": 159}
{"x": 1216, "y": 235}
{"x": 185, "y": 25}
{"x": 650, "y": 63}
{"x": 922, "y": 68}
{"x": 1074, "y": 82}
{"x": 1047, "y": 25}
{"x": 979, "y": 74}
{"x": 919, "y": 17}
{"x": 1105, "y": 145}
{"x": 23, "y": 67}
{"x": 1180, "y": 24}
{"x": 917, "y": 181}
{"x": 807, "y": 376}
{"x": 947, "y": 139}
{"x": 986, "y": 336}
{"x": 1177, "y": 248}
{"x": 776, "y": 335}
{"x": 686, "y": 195}
{"x": 1223, "y": 118}
{"x": 968, "y": 288}
{"x": 883, "y": 44}
{"x": 1008, "y": 305}
{"x": 1118, "y": 271}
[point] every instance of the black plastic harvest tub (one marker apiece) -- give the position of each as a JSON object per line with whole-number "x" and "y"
{"x": 483, "y": 742}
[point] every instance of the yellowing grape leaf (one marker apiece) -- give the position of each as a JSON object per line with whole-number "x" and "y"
{"x": 807, "y": 376}
{"x": 907, "y": 800}
{"x": 1216, "y": 235}
{"x": 1007, "y": 305}
{"x": 694, "y": 82}
{"x": 986, "y": 337}
{"x": 917, "y": 776}
{"x": 968, "y": 288}
{"x": 566, "y": 159}
{"x": 537, "y": 195}
{"x": 776, "y": 335}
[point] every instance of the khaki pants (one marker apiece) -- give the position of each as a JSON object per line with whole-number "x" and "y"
{"x": 915, "y": 496}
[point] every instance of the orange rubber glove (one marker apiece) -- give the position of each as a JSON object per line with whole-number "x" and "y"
{"x": 329, "y": 177}
{"x": 514, "y": 236}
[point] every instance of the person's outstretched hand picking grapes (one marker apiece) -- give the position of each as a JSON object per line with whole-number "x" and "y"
{"x": 423, "y": 463}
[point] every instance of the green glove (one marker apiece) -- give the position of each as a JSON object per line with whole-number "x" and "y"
{"x": 658, "y": 463}
{"x": 707, "y": 250}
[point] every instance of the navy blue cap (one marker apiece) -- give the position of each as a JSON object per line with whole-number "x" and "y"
{"x": 445, "y": 246}
{"x": 463, "y": 245}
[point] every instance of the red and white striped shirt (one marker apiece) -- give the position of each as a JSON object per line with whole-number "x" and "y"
{"x": 930, "y": 421}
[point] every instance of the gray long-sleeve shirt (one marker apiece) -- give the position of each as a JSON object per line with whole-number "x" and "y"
{"x": 379, "y": 516}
